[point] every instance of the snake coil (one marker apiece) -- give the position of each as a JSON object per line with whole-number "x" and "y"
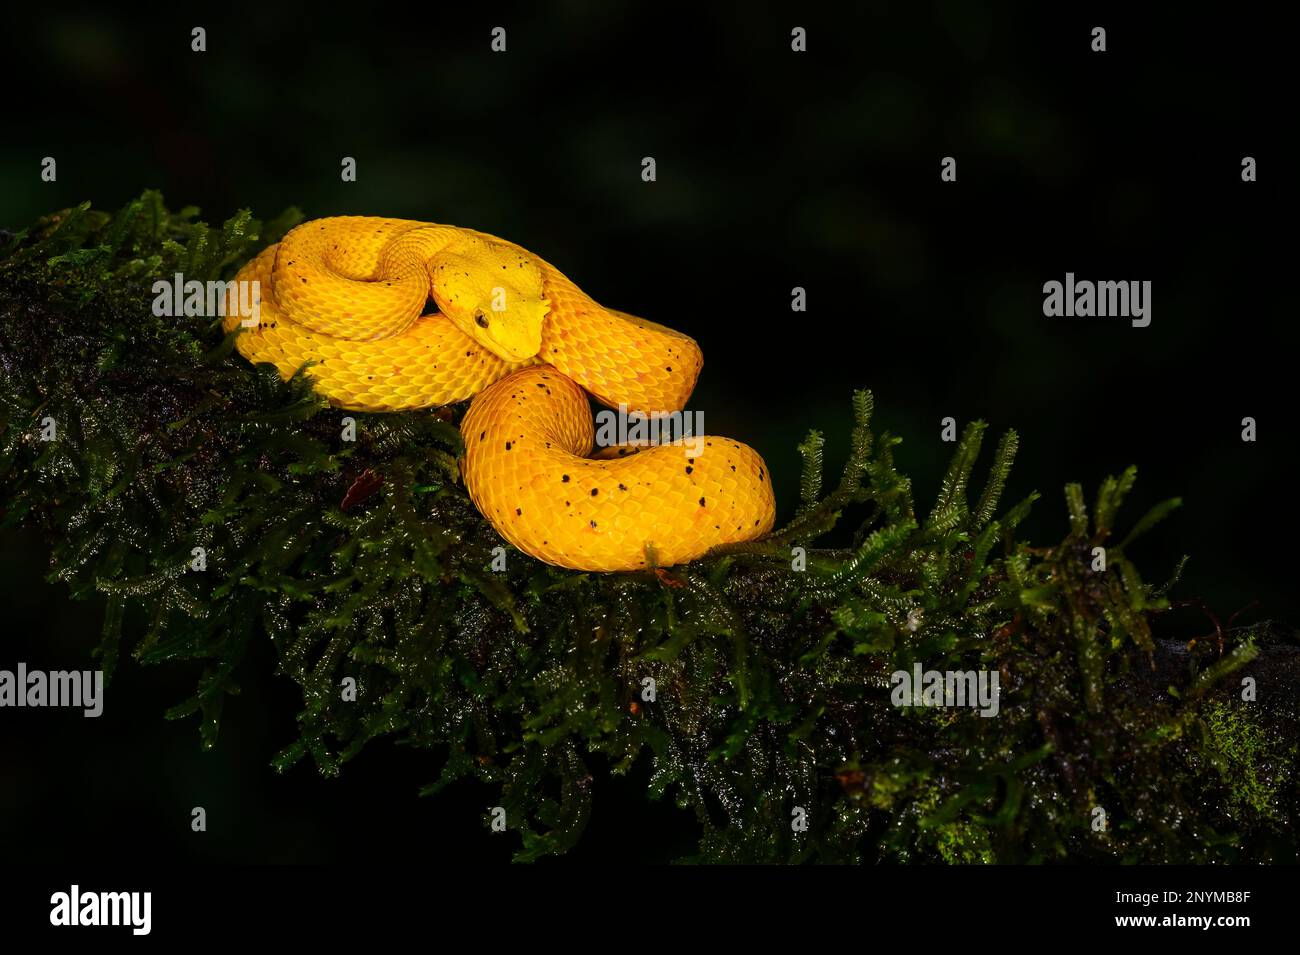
{"x": 350, "y": 297}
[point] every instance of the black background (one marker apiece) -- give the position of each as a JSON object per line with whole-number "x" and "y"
{"x": 775, "y": 169}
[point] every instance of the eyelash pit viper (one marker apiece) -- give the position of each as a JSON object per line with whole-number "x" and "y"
{"x": 351, "y": 294}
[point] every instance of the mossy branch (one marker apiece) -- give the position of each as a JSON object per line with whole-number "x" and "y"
{"x": 755, "y": 682}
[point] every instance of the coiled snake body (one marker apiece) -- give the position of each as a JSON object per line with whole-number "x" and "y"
{"x": 350, "y": 294}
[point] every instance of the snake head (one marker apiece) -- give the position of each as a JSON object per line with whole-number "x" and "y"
{"x": 495, "y": 296}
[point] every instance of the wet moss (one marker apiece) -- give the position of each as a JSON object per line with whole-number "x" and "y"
{"x": 1254, "y": 765}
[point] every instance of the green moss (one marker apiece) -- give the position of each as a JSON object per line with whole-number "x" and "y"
{"x": 964, "y": 844}
{"x": 960, "y": 842}
{"x": 1254, "y": 766}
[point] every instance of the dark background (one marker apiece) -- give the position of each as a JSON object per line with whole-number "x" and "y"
{"x": 775, "y": 169}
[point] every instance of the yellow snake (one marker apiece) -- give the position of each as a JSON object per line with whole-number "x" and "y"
{"x": 348, "y": 296}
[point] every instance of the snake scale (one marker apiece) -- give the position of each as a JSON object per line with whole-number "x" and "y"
{"x": 398, "y": 314}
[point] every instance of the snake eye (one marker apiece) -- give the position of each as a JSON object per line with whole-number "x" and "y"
{"x": 480, "y": 319}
